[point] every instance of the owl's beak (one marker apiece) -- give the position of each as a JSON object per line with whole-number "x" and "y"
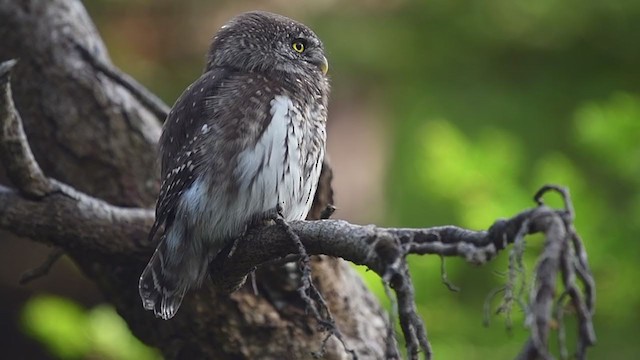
{"x": 321, "y": 62}
{"x": 324, "y": 65}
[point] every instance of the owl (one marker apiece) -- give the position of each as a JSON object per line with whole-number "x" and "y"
{"x": 244, "y": 141}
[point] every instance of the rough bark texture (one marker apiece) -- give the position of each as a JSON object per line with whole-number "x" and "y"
{"x": 91, "y": 133}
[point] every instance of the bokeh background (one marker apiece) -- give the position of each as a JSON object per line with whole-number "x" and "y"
{"x": 442, "y": 112}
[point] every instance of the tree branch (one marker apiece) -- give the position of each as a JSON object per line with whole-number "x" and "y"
{"x": 151, "y": 101}
{"x": 15, "y": 153}
{"x": 381, "y": 249}
{"x": 115, "y": 231}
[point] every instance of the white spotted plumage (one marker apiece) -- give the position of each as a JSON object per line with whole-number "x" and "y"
{"x": 268, "y": 174}
{"x": 245, "y": 138}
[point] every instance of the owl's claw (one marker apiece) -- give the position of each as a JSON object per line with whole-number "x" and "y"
{"x": 327, "y": 212}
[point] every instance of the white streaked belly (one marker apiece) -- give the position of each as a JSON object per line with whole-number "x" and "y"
{"x": 264, "y": 178}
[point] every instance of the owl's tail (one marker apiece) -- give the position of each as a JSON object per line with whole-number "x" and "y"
{"x": 160, "y": 287}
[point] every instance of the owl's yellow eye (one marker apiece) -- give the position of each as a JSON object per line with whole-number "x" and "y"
{"x": 298, "y": 46}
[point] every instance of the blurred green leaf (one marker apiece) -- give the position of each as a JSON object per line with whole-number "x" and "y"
{"x": 71, "y": 332}
{"x": 112, "y": 336}
{"x": 58, "y": 323}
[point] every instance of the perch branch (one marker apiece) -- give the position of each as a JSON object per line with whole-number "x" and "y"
{"x": 380, "y": 249}
{"x": 51, "y": 212}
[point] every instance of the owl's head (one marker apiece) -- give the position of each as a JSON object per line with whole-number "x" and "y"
{"x": 264, "y": 42}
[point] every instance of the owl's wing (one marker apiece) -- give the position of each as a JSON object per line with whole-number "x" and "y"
{"x": 216, "y": 117}
{"x": 179, "y": 158}
{"x": 220, "y": 113}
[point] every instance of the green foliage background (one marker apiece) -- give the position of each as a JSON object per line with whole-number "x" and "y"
{"x": 483, "y": 101}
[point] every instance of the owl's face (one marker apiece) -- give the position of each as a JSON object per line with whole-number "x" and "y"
{"x": 266, "y": 42}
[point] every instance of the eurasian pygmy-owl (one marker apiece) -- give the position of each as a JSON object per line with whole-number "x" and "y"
{"x": 245, "y": 138}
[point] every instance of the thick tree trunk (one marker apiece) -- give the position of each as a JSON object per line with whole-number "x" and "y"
{"x": 90, "y": 132}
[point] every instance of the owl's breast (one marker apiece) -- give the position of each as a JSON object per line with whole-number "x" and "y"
{"x": 284, "y": 165}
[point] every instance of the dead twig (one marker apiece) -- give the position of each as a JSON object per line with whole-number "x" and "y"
{"x": 44, "y": 268}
